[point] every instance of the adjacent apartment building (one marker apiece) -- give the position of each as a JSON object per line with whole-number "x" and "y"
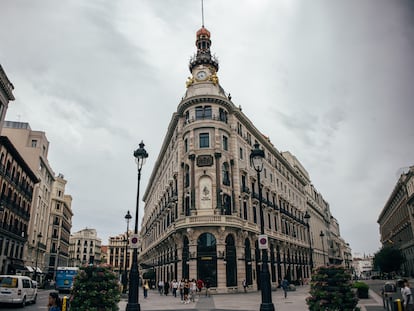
{"x": 84, "y": 248}
{"x": 17, "y": 181}
{"x": 202, "y": 213}
{"x": 396, "y": 220}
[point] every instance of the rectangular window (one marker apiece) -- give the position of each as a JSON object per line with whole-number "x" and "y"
{"x": 225, "y": 143}
{"x": 34, "y": 143}
{"x": 203, "y": 112}
{"x": 241, "y": 153}
{"x": 185, "y": 145}
{"x": 204, "y": 140}
{"x": 199, "y": 112}
{"x": 207, "y": 112}
{"x": 222, "y": 115}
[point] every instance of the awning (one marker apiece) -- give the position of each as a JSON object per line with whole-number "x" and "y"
{"x": 18, "y": 267}
{"x": 38, "y": 270}
{"x": 29, "y": 268}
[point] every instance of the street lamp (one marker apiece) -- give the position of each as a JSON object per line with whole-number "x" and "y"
{"x": 307, "y": 221}
{"x": 39, "y": 236}
{"x": 125, "y": 275}
{"x": 256, "y": 160}
{"x": 323, "y": 246}
{"x": 56, "y": 262}
{"x": 133, "y": 304}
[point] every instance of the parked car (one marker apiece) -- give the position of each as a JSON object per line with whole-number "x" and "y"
{"x": 17, "y": 289}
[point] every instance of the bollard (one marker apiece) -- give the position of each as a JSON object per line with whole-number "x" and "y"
{"x": 64, "y": 303}
{"x": 398, "y": 305}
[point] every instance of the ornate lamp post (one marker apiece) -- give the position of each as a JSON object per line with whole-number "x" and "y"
{"x": 125, "y": 275}
{"x": 323, "y": 246}
{"x": 307, "y": 221}
{"x": 256, "y": 160}
{"x": 133, "y": 304}
{"x": 39, "y": 236}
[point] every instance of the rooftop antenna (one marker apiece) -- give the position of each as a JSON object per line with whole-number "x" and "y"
{"x": 202, "y": 13}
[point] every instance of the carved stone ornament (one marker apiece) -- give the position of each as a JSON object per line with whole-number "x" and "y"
{"x": 204, "y": 160}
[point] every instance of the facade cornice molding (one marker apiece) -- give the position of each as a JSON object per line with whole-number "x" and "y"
{"x": 170, "y": 132}
{"x": 6, "y": 85}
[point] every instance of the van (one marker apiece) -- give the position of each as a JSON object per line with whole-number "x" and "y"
{"x": 17, "y": 289}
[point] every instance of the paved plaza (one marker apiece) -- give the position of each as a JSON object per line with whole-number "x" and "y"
{"x": 295, "y": 301}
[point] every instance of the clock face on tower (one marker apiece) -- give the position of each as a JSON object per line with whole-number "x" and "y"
{"x": 201, "y": 75}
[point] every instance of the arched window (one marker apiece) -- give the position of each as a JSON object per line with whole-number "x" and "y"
{"x": 248, "y": 261}
{"x": 186, "y": 176}
{"x": 207, "y": 258}
{"x": 231, "y": 261}
{"x": 226, "y": 174}
{"x": 185, "y": 258}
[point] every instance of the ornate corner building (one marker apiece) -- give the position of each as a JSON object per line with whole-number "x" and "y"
{"x": 202, "y": 213}
{"x": 396, "y": 220}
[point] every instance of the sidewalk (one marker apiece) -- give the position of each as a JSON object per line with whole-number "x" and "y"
{"x": 373, "y": 303}
{"x": 295, "y": 301}
{"x": 240, "y": 301}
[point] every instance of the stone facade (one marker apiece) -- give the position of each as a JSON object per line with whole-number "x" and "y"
{"x": 60, "y": 225}
{"x": 33, "y": 146}
{"x": 17, "y": 181}
{"x": 396, "y": 220}
{"x": 202, "y": 214}
{"x": 84, "y": 248}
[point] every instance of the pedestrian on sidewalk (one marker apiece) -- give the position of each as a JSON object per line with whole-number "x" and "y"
{"x": 145, "y": 289}
{"x": 407, "y": 297}
{"x": 174, "y": 287}
{"x": 207, "y": 285}
{"x": 244, "y": 283}
{"x": 160, "y": 287}
{"x": 285, "y": 286}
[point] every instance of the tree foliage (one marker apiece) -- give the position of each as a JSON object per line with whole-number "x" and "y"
{"x": 388, "y": 259}
{"x": 331, "y": 290}
{"x": 95, "y": 288}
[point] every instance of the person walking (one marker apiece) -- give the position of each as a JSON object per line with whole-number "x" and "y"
{"x": 244, "y": 283}
{"x": 54, "y": 302}
{"x": 285, "y": 286}
{"x": 174, "y": 288}
{"x": 160, "y": 287}
{"x": 145, "y": 289}
{"x": 193, "y": 290}
{"x": 407, "y": 297}
{"x": 166, "y": 287}
{"x": 200, "y": 285}
{"x": 207, "y": 285}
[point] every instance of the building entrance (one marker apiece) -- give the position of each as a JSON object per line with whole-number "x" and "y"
{"x": 207, "y": 259}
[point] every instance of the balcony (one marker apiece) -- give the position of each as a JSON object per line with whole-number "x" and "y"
{"x": 244, "y": 189}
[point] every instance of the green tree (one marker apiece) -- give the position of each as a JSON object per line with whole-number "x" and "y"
{"x": 95, "y": 288}
{"x": 331, "y": 290}
{"x": 388, "y": 259}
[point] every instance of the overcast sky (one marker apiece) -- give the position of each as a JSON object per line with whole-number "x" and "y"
{"x": 331, "y": 81}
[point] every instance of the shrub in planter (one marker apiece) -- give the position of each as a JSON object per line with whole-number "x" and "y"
{"x": 331, "y": 290}
{"x": 362, "y": 289}
{"x": 95, "y": 288}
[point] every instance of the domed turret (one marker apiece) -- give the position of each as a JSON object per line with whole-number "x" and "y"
{"x": 203, "y": 56}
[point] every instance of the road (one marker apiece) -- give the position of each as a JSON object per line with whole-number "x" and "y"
{"x": 41, "y": 304}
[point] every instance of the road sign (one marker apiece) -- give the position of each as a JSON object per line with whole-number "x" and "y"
{"x": 263, "y": 241}
{"x": 133, "y": 241}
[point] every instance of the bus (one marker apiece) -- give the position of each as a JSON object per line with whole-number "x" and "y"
{"x": 65, "y": 277}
